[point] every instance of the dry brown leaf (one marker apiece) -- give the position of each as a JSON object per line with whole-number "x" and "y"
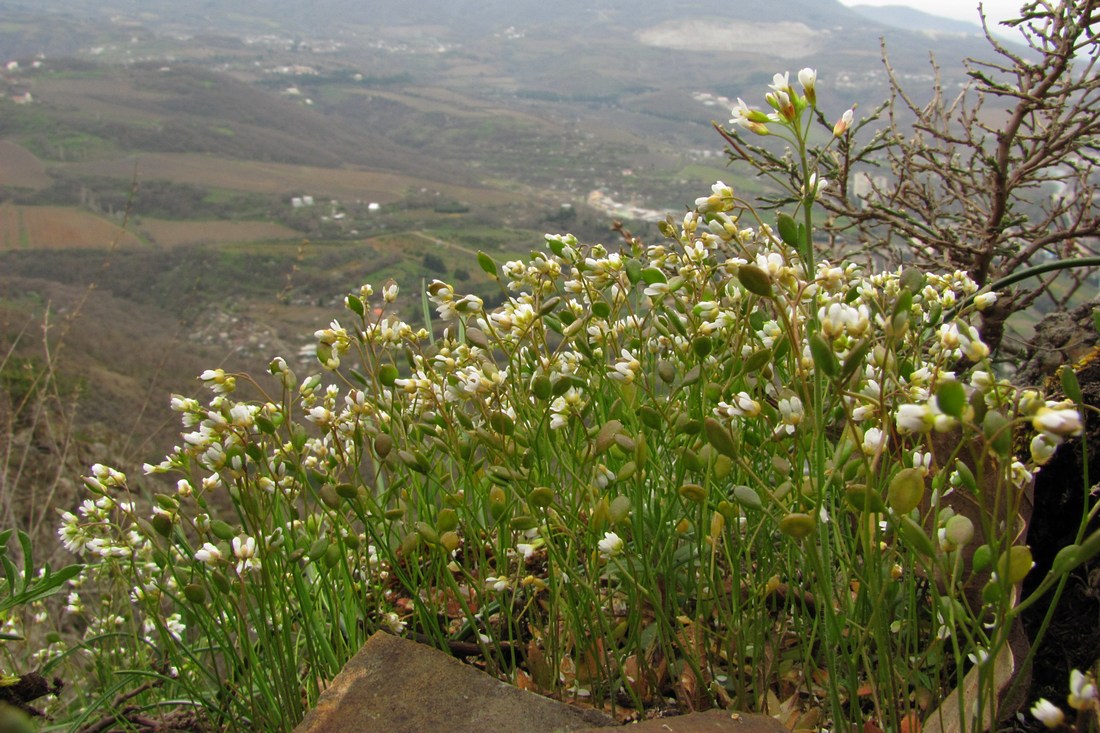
{"x": 945, "y": 719}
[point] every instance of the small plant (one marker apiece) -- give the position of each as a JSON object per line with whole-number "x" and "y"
{"x": 718, "y": 467}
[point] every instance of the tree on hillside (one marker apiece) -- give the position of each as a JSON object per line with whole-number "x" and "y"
{"x": 994, "y": 179}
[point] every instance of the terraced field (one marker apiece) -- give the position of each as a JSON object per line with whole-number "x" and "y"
{"x": 58, "y": 227}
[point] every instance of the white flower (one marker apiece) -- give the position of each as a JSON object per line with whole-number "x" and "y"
{"x": 844, "y": 123}
{"x": 626, "y": 369}
{"x": 792, "y": 412}
{"x": 209, "y": 554}
{"x": 781, "y": 82}
{"x": 720, "y": 199}
{"x": 983, "y": 301}
{"x": 1057, "y": 418}
{"x": 914, "y": 419}
{"x": 1043, "y": 446}
{"x": 611, "y": 545}
{"x": 874, "y": 440}
{"x": 743, "y": 406}
{"x": 496, "y": 584}
{"x": 389, "y": 291}
{"x": 1048, "y": 713}
{"x": 393, "y": 622}
{"x": 808, "y": 79}
{"x": 1082, "y": 690}
{"x": 244, "y": 549}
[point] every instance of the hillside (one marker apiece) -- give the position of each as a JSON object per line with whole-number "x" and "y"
{"x": 196, "y": 146}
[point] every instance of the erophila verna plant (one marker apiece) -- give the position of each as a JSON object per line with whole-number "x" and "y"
{"x": 718, "y": 468}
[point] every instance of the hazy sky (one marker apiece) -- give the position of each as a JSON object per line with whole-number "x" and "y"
{"x": 995, "y": 10}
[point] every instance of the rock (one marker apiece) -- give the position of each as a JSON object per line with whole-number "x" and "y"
{"x": 711, "y": 721}
{"x": 400, "y": 686}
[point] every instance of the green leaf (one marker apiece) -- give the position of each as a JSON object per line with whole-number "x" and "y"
{"x": 652, "y": 276}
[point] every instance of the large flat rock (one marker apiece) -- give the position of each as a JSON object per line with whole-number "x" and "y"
{"x": 399, "y": 686}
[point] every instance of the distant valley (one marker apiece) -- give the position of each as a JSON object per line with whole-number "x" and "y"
{"x": 222, "y": 173}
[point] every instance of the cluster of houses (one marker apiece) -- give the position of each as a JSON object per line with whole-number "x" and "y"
{"x": 12, "y": 86}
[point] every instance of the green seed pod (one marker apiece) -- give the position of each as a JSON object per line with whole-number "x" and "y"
{"x": 502, "y": 423}
{"x": 387, "y": 375}
{"x": 788, "y": 230}
{"x": 450, "y": 541}
{"x": 427, "y": 533}
{"x": 728, "y": 510}
{"x": 619, "y": 509}
{"x": 959, "y": 530}
{"x": 329, "y": 496}
{"x": 625, "y": 442}
{"x": 755, "y": 280}
{"x": 541, "y": 496}
{"x": 162, "y": 523}
{"x": 332, "y": 556}
{"x": 757, "y": 360}
{"x": 1065, "y": 560}
{"x": 166, "y": 502}
{"x": 318, "y": 549}
{"x": 693, "y": 493}
{"x": 541, "y": 387}
{"x": 982, "y": 559}
{"x": 666, "y": 371}
{"x": 383, "y": 444}
{"x": 351, "y": 540}
{"x": 723, "y": 466}
{"x": 220, "y": 581}
{"x": 523, "y": 523}
{"x": 222, "y": 530}
{"x": 446, "y": 520}
{"x": 477, "y": 337}
{"x": 998, "y": 431}
{"x": 355, "y": 305}
{"x": 394, "y": 513}
{"x": 1014, "y": 564}
{"x": 702, "y": 346}
{"x": 951, "y": 398}
{"x": 498, "y": 503}
{"x": 650, "y": 417}
{"x": 194, "y": 592}
{"x": 691, "y": 460}
{"x": 823, "y": 356}
{"x": 914, "y": 536}
{"x": 863, "y": 499}
{"x": 747, "y": 497}
{"x": 601, "y": 515}
{"x": 797, "y": 525}
{"x": 409, "y": 544}
{"x": 606, "y": 436}
{"x": 719, "y": 437}
{"x": 906, "y": 490}
{"x": 346, "y": 491}
{"x": 627, "y": 471}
